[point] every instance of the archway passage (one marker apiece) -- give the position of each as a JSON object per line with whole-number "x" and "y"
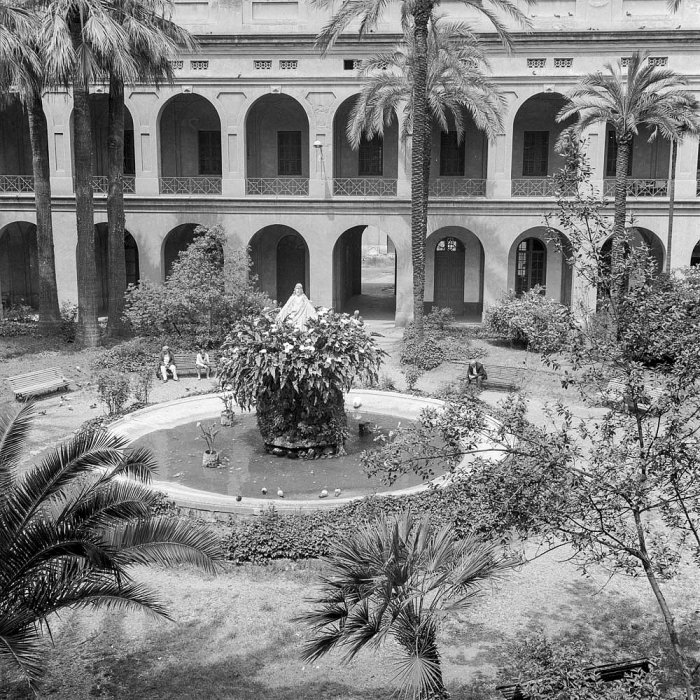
{"x": 15, "y": 148}
{"x": 280, "y": 260}
{"x": 449, "y": 275}
{"x": 364, "y": 273}
{"x": 454, "y": 272}
{"x": 695, "y": 256}
{"x": 19, "y": 265}
{"x": 131, "y": 258}
{"x": 177, "y": 240}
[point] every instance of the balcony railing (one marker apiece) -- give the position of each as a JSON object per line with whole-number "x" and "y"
{"x": 190, "y": 185}
{"x": 647, "y": 187}
{"x": 364, "y": 187}
{"x": 456, "y": 187}
{"x": 278, "y": 186}
{"x": 16, "y": 183}
{"x": 100, "y": 184}
{"x": 537, "y": 187}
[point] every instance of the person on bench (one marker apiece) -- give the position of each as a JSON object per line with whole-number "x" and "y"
{"x": 202, "y": 363}
{"x": 167, "y": 364}
{"x": 476, "y": 373}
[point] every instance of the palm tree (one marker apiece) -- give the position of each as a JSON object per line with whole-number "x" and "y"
{"x": 397, "y": 578}
{"x": 82, "y": 38}
{"x": 72, "y": 528}
{"x": 456, "y": 83}
{"x": 21, "y": 66}
{"x": 421, "y": 13}
{"x": 153, "y": 39}
{"x": 651, "y": 96}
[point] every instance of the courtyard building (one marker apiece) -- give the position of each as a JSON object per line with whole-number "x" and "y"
{"x": 252, "y": 136}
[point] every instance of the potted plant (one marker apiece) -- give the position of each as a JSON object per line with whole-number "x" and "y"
{"x": 227, "y": 413}
{"x": 210, "y": 458}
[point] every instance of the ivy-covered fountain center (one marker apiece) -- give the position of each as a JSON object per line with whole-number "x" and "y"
{"x": 294, "y": 370}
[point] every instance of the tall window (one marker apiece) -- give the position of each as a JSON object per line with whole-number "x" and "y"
{"x": 129, "y": 161}
{"x": 451, "y": 154}
{"x": 371, "y": 157}
{"x": 611, "y": 155}
{"x": 530, "y": 265}
{"x": 209, "y": 152}
{"x": 535, "y": 153}
{"x": 289, "y": 153}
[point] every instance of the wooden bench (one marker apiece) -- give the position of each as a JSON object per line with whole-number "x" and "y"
{"x": 499, "y": 376}
{"x": 185, "y": 364}
{"x": 607, "y": 673}
{"x": 615, "y": 395}
{"x": 42, "y": 381}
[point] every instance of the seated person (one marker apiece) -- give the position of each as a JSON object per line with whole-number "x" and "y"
{"x": 476, "y": 373}
{"x": 202, "y": 363}
{"x": 167, "y": 364}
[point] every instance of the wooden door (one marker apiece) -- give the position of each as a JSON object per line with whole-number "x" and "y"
{"x": 449, "y": 275}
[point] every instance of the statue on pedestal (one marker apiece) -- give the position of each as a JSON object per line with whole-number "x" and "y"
{"x": 298, "y": 309}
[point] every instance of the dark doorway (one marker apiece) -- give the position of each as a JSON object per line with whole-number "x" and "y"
{"x": 449, "y": 275}
{"x": 291, "y": 266}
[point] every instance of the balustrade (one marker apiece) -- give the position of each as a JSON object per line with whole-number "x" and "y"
{"x": 646, "y": 187}
{"x": 100, "y": 184}
{"x": 16, "y": 183}
{"x": 278, "y": 186}
{"x": 456, "y": 187}
{"x": 190, "y": 185}
{"x": 538, "y": 187}
{"x": 364, "y": 187}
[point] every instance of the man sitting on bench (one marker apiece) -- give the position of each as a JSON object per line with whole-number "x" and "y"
{"x": 167, "y": 364}
{"x": 476, "y": 373}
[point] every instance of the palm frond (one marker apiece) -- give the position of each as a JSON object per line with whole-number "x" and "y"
{"x": 14, "y": 430}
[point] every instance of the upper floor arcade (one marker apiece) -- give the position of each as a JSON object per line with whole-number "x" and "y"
{"x": 291, "y": 141}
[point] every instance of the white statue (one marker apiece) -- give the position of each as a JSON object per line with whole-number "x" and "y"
{"x": 298, "y": 309}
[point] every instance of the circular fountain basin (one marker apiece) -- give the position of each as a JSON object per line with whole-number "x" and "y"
{"x": 182, "y": 412}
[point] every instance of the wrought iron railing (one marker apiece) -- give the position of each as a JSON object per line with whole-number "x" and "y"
{"x": 539, "y": 187}
{"x": 16, "y": 183}
{"x": 100, "y": 184}
{"x": 455, "y": 187}
{"x": 364, "y": 187}
{"x": 201, "y": 184}
{"x": 646, "y": 187}
{"x": 278, "y": 186}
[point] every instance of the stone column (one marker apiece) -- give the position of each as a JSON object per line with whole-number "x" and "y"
{"x": 58, "y": 107}
{"x": 321, "y": 143}
{"x": 499, "y": 164}
{"x": 233, "y": 104}
{"x": 145, "y": 104}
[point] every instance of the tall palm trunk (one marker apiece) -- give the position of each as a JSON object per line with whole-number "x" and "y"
{"x": 116, "y": 264}
{"x": 49, "y": 314}
{"x": 618, "y": 247}
{"x": 671, "y": 201}
{"x": 88, "y": 333}
{"x": 419, "y": 211}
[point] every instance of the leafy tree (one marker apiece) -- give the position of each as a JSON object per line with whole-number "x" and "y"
{"x": 647, "y": 96}
{"x": 421, "y": 12}
{"x": 153, "y": 38}
{"x": 397, "y": 578}
{"x": 71, "y": 530}
{"x": 209, "y": 289}
{"x": 22, "y": 56}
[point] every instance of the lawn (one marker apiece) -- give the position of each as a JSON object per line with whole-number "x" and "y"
{"x": 233, "y": 635}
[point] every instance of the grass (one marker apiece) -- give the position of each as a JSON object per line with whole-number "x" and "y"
{"x": 232, "y": 635}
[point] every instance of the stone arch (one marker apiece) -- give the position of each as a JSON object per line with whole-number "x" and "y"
{"x": 131, "y": 258}
{"x": 639, "y": 235}
{"x": 19, "y": 265}
{"x": 376, "y": 158}
{"x": 695, "y": 255}
{"x": 280, "y": 257}
{"x": 189, "y": 138}
{"x": 534, "y": 258}
{"x": 277, "y": 139}
{"x": 454, "y": 250}
{"x": 177, "y": 240}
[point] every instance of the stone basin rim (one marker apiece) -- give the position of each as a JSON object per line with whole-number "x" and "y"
{"x": 146, "y": 420}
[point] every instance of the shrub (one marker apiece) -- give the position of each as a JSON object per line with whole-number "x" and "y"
{"x": 412, "y": 375}
{"x": 425, "y": 355}
{"x": 131, "y": 356}
{"x": 114, "y": 389}
{"x": 143, "y": 383}
{"x": 531, "y": 321}
{"x": 386, "y": 383}
{"x": 69, "y": 321}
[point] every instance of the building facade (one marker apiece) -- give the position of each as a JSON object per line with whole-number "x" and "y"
{"x": 252, "y": 136}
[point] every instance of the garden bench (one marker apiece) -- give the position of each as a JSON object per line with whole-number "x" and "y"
{"x": 616, "y": 390}
{"x": 606, "y": 672}
{"x": 185, "y": 363}
{"x": 42, "y": 381}
{"x": 499, "y": 376}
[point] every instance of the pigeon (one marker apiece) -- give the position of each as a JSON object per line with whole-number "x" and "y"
{"x": 239, "y": 497}
{"x": 280, "y": 493}
{"x": 336, "y": 493}
{"x": 323, "y": 494}
{"x": 263, "y": 491}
